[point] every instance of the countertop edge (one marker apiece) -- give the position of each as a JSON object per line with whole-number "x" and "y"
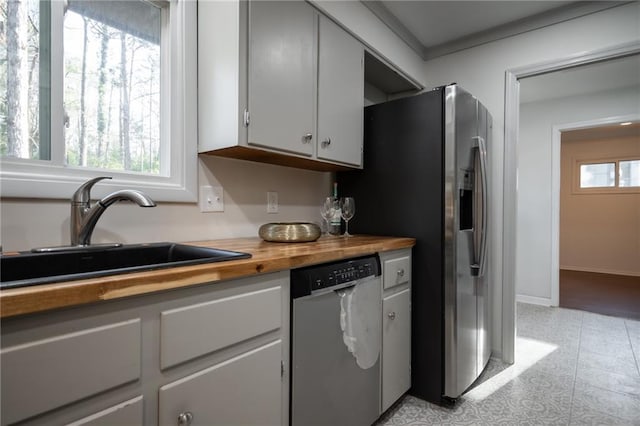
{"x": 267, "y": 258}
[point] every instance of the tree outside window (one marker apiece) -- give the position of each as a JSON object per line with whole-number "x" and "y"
{"x": 112, "y": 88}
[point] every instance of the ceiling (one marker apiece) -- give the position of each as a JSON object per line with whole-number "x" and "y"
{"x": 436, "y": 28}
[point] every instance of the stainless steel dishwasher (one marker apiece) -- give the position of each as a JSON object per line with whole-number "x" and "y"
{"x": 335, "y": 343}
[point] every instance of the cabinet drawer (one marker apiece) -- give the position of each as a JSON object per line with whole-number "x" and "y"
{"x": 244, "y": 390}
{"x": 46, "y": 374}
{"x": 127, "y": 413}
{"x": 397, "y": 271}
{"x": 197, "y": 330}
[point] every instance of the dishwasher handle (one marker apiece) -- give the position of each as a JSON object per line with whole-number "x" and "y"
{"x": 340, "y": 287}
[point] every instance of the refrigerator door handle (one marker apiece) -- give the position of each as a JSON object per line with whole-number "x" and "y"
{"x": 478, "y": 267}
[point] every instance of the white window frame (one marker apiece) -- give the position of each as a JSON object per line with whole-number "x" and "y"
{"x": 23, "y": 178}
{"x": 615, "y": 189}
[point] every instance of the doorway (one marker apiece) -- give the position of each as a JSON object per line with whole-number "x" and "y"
{"x": 599, "y": 233}
{"x": 553, "y": 98}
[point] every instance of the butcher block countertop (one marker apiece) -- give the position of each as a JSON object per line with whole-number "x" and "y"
{"x": 266, "y": 257}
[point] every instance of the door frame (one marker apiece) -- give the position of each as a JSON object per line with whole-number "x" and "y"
{"x": 510, "y": 186}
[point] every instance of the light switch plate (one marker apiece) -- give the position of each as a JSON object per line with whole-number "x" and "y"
{"x": 211, "y": 199}
{"x": 272, "y": 202}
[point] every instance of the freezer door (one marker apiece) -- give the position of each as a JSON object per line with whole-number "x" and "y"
{"x": 461, "y": 314}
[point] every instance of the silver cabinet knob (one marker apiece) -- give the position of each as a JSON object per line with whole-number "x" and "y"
{"x": 326, "y": 142}
{"x": 391, "y": 315}
{"x": 307, "y": 138}
{"x": 400, "y": 273}
{"x": 185, "y": 419}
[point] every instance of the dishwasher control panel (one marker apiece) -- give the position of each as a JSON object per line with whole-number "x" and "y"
{"x": 304, "y": 281}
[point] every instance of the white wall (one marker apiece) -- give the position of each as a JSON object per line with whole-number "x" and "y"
{"x": 534, "y": 251}
{"x": 481, "y": 70}
{"x": 34, "y": 223}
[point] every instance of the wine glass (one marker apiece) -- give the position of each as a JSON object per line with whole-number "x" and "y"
{"x": 328, "y": 209}
{"x": 348, "y": 206}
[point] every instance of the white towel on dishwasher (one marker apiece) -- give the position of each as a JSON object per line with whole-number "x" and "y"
{"x": 360, "y": 319}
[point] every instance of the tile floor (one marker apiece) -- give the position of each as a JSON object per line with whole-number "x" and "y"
{"x": 572, "y": 368}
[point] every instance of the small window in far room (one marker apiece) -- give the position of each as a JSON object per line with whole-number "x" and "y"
{"x": 629, "y": 174}
{"x": 608, "y": 176}
{"x": 600, "y": 175}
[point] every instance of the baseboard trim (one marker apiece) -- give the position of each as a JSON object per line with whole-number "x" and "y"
{"x": 533, "y": 300}
{"x": 600, "y": 271}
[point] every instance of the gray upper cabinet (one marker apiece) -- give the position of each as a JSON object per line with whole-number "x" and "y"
{"x": 282, "y": 77}
{"x": 340, "y": 95}
{"x": 271, "y": 76}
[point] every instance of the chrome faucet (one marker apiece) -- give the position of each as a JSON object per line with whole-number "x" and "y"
{"x": 84, "y": 217}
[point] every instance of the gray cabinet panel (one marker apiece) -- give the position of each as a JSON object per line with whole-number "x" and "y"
{"x": 282, "y": 75}
{"x": 128, "y": 413}
{"x": 240, "y": 391}
{"x": 340, "y": 95}
{"x": 396, "y": 347}
{"x": 221, "y": 74}
{"x": 46, "y": 374}
{"x": 196, "y": 330}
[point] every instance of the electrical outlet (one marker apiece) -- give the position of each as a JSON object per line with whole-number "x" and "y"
{"x": 272, "y": 202}
{"x": 211, "y": 199}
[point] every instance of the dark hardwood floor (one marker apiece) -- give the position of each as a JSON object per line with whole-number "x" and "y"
{"x": 614, "y": 295}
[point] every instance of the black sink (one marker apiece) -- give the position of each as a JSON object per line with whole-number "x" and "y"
{"x": 29, "y": 268}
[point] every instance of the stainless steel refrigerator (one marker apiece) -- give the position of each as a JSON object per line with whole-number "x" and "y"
{"x": 425, "y": 176}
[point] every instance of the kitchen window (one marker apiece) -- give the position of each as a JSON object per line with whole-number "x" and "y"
{"x": 607, "y": 176}
{"x": 98, "y": 87}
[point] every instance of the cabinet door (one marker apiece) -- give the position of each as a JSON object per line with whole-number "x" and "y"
{"x": 244, "y": 390}
{"x": 396, "y": 347}
{"x": 282, "y": 75}
{"x": 340, "y": 95}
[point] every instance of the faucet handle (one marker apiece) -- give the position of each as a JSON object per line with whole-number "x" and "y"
{"x": 83, "y": 193}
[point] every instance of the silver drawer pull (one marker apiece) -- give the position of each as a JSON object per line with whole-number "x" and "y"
{"x": 185, "y": 419}
{"x": 326, "y": 142}
{"x": 391, "y": 315}
{"x": 400, "y": 273}
{"x": 307, "y": 138}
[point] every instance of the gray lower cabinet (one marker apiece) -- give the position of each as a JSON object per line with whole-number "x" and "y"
{"x": 240, "y": 391}
{"x": 396, "y": 326}
{"x": 210, "y": 354}
{"x": 52, "y": 371}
